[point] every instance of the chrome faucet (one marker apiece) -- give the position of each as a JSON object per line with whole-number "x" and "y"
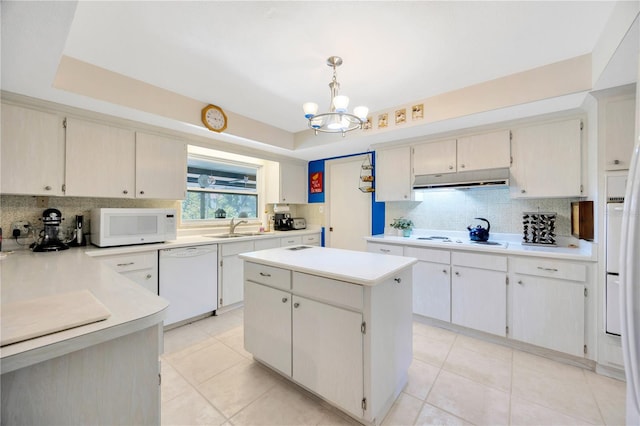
{"x": 232, "y": 226}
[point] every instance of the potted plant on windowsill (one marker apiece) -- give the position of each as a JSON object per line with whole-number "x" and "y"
{"x": 403, "y": 226}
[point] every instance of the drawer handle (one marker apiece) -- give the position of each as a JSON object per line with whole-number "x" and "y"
{"x": 398, "y": 280}
{"x": 126, "y": 264}
{"x": 444, "y": 271}
{"x": 385, "y": 250}
{"x": 264, "y": 274}
{"x": 284, "y": 300}
{"x": 296, "y": 305}
{"x": 547, "y": 269}
{"x": 457, "y": 274}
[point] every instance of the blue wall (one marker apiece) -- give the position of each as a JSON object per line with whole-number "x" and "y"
{"x": 377, "y": 209}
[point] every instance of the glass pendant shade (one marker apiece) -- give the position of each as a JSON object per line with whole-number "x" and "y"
{"x": 340, "y": 103}
{"x": 310, "y": 109}
{"x": 361, "y": 112}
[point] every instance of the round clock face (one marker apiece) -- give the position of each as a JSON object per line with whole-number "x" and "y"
{"x": 214, "y": 118}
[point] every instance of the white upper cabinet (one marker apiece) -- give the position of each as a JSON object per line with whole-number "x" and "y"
{"x": 286, "y": 183}
{"x": 547, "y": 160}
{"x": 435, "y": 158}
{"x": 484, "y": 151}
{"x": 161, "y": 167}
{"x": 32, "y": 152}
{"x": 100, "y": 160}
{"x": 617, "y": 123}
{"x": 393, "y": 174}
{"x": 469, "y": 153}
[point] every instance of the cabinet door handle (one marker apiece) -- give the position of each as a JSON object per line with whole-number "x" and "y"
{"x": 47, "y": 188}
{"x": 126, "y": 264}
{"x": 141, "y": 192}
{"x": 398, "y": 280}
{"x": 522, "y": 191}
{"x": 457, "y": 274}
{"x": 125, "y": 192}
{"x": 520, "y": 282}
{"x": 616, "y": 161}
{"x": 148, "y": 276}
{"x": 264, "y": 274}
{"x": 444, "y": 271}
{"x": 284, "y": 300}
{"x": 450, "y": 167}
{"x": 462, "y": 166}
{"x": 296, "y": 305}
{"x": 547, "y": 269}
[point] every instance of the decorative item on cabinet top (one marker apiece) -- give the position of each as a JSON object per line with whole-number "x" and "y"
{"x": 539, "y": 228}
{"x": 366, "y": 175}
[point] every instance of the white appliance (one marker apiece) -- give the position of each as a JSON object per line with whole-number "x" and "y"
{"x": 189, "y": 281}
{"x": 121, "y": 227}
{"x": 630, "y": 278}
{"x": 615, "y": 197}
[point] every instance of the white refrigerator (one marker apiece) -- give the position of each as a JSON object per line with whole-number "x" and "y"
{"x": 630, "y": 278}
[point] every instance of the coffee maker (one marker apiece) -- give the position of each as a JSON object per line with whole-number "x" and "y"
{"x": 282, "y": 222}
{"x": 49, "y": 240}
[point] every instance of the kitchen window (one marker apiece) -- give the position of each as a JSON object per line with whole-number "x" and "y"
{"x": 218, "y": 189}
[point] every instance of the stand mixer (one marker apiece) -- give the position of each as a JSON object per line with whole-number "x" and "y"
{"x": 49, "y": 240}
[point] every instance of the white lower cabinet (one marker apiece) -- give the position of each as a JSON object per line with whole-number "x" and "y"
{"x": 431, "y": 282}
{"x": 267, "y": 325}
{"x": 141, "y": 268}
{"x": 479, "y": 292}
{"x": 328, "y": 339}
{"x": 231, "y": 272}
{"x": 347, "y": 343}
{"x": 548, "y": 304}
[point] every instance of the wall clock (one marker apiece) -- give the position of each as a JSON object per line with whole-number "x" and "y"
{"x": 214, "y": 118}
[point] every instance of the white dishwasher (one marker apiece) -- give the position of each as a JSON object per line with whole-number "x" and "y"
{"x": 188, "y": 279}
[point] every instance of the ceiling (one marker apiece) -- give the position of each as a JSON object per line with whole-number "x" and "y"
{"x": 262, "y": 60}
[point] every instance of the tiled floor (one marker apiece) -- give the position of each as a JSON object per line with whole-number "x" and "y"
{"x": 208, "y": 379}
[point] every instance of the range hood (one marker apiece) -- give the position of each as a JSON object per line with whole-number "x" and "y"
{"x": 477, "y": 179}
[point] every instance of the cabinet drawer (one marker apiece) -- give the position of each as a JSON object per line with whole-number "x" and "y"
{"x": 428, "y": 255}
{"x": 132, "y": 262}
{"x": 549, "y": 268}
{"x": 290, "y": 241}
{"x": 269, "y": 275}
{"x": 327, "y": 290}
{"x": 482, "y": 261}
{"x": 230, "y": 249}
{"x": 266, "y": 243}
{"x": 384, "y": 248}
{"x": 311, "y": 240}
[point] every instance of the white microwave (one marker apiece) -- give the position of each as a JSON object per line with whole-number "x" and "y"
{"x": 121, "y": 227}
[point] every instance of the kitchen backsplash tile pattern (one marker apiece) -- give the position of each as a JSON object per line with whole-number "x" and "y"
{"x": 454, "y": 210}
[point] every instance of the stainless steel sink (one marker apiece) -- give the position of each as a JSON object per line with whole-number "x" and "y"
{"x": 236, "y": 235}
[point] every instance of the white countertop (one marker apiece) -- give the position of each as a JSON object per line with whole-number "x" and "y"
{"x": 357, "y": 267}
{"x": 192, "y": 240}
{"x": 27, "y": 275}
{"x": 511, "y": 245}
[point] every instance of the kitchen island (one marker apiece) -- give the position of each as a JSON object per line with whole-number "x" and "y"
{"x": 336, "y": 322}
{"x": 104, "y": 372}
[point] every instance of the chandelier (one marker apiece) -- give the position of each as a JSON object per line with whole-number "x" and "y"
{"x": 338, "y": 119}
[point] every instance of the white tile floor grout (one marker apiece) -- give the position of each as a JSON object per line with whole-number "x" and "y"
{"x": 209, "y": 379}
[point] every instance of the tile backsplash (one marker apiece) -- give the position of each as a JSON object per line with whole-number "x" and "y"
{"x": 454, "y": 210}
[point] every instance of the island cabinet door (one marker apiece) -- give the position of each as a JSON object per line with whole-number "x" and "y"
{"x": 267, "y": 325}
{"x": 328, "y": 352}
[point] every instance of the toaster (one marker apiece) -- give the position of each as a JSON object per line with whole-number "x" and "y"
{"x": 298, "y": 223}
